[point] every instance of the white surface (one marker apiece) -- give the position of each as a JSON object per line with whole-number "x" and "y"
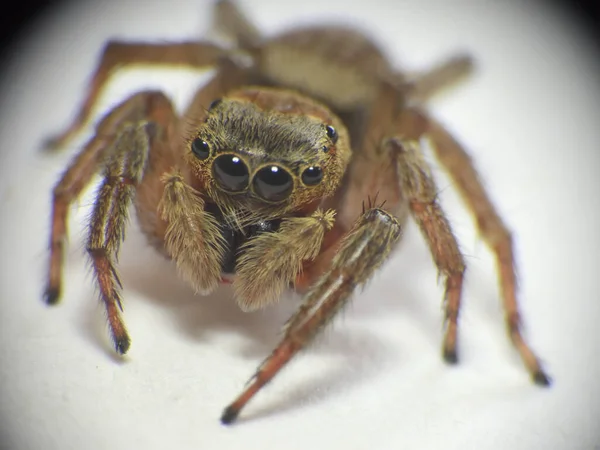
{"x": 375, "y": 379}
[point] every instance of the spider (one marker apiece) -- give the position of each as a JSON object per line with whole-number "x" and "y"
{"x": 297, "y": 165}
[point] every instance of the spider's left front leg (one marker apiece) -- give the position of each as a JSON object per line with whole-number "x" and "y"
{"x": 359, "y": 253}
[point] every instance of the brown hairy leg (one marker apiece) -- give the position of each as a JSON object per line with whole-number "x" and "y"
{"x": 119, "y": 54}
{"x": 122, "y": 173}
{"x": 424, "y": 86}
{"x": 362, "y": 251}
{"x": 418, "y": 186}
{"x": 120, "y": 147}
{"x": 230, "y": 20}
{"x": 493, "y": 231}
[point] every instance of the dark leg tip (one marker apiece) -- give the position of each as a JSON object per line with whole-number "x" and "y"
{"x": 51, "y": 296}
{"x": 450, "y": 356}
{"x": 541, "y": 379}
{"x": 122, "y": 345}
{"x": 229, "y": 415}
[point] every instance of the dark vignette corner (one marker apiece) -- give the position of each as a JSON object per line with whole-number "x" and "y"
{"x": 23, "y": 14}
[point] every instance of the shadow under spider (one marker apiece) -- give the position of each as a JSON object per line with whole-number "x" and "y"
{"x": 356, "y": 354}
{"x": 144, "y": 271}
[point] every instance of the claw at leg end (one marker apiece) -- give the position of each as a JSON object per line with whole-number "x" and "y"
{"x": 229, "y": 415}
{"x": 541, "y": 378}
{"x": 122, "y": 344}
{"x": 450, "y": 355}
{"x": 51, "y": 295}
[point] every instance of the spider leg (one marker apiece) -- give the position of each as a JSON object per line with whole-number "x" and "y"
{"x": 493, "y": 231}
{"x": 361, "y": 251}
{"x": 123, "y": 172}
{"x": 121, "y": 147}
{"x": 418, "y": 186}
{"x": 422, "y": 87}
{"x": 118, "y": 54}
{"x": 408, "y": 181}
{"x": 230, "y": 20}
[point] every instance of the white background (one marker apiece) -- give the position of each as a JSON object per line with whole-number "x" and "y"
{"x": 375, "y": 379}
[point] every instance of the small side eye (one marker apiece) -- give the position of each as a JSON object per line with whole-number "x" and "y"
{"x": 312, "y": 175}
{"x": 332, "y": 133}
{"x": 214, "y": 104}
{"x": 200, "y": 148}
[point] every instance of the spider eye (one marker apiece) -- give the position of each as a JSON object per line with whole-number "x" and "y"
{"x": 331, "y": 133}
{"x": 273, "y": 183}
{"x": 312, "y": 175}
{"x": 231, "y": 173}
{"x": 215, "y": 103}
{"x": 200, "y": 148}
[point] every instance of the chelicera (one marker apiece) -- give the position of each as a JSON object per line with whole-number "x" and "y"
{"x": 277, "y": 175}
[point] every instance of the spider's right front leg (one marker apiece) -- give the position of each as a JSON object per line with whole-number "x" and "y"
{"x": 358, "y": 255}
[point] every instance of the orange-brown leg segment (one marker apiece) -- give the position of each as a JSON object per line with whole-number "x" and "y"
{"x": 120, "y": 146}
{"x": 424, "y": 86}
{"x": 123, "y": 172}
{"x": 119, "y": 54}
{"x": 68, "y": 189}
{"x": 362, "y": 250}
{"x": 230, "y": 20}
{"x": 492, "y": 229}
{"x": 78, "y": 176}
{"x": 418, "y": 186}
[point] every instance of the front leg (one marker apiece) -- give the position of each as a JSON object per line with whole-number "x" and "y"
{"x": 362, "y": 250}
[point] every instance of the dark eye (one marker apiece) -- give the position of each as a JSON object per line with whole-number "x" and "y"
{"x": 200, "y": 148}
{"x": 331, "y": 133}
{"x": 273, "y": 183}
{"x": 231, "y": 172}
{"x": 215, "y": 103}
{"x": 312, "y": 175}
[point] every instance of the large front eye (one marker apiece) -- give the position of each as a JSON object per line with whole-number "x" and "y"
{"x": 273, "y": 183}
{"x": 231, "y": 173}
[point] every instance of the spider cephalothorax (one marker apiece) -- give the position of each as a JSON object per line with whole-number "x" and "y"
{"x": 298, "y": 169}
{"x": 263, "y": 153}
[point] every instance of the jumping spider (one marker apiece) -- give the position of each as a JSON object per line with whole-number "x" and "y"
{"x": 257, "y": 184}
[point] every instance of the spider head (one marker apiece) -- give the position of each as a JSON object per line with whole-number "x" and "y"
{"x": 268, "y": 149}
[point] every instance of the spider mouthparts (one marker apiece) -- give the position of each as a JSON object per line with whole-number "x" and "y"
{"x": 229, "y": 415}
{"x": 541, "y": 379}
{"x": 51, "y": 295}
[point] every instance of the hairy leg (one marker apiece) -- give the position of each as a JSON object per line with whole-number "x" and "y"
{"x": 123, "y": 171}
{"x": 230, "y": 20}
{"x": 493, "y": 231}
{"x": 119, "y": 54}
{"x": 418, "y": 186}
{"x": 361, "y": 252}
{"x": 120, "y": 147}
{"x": 422, "y": 87}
